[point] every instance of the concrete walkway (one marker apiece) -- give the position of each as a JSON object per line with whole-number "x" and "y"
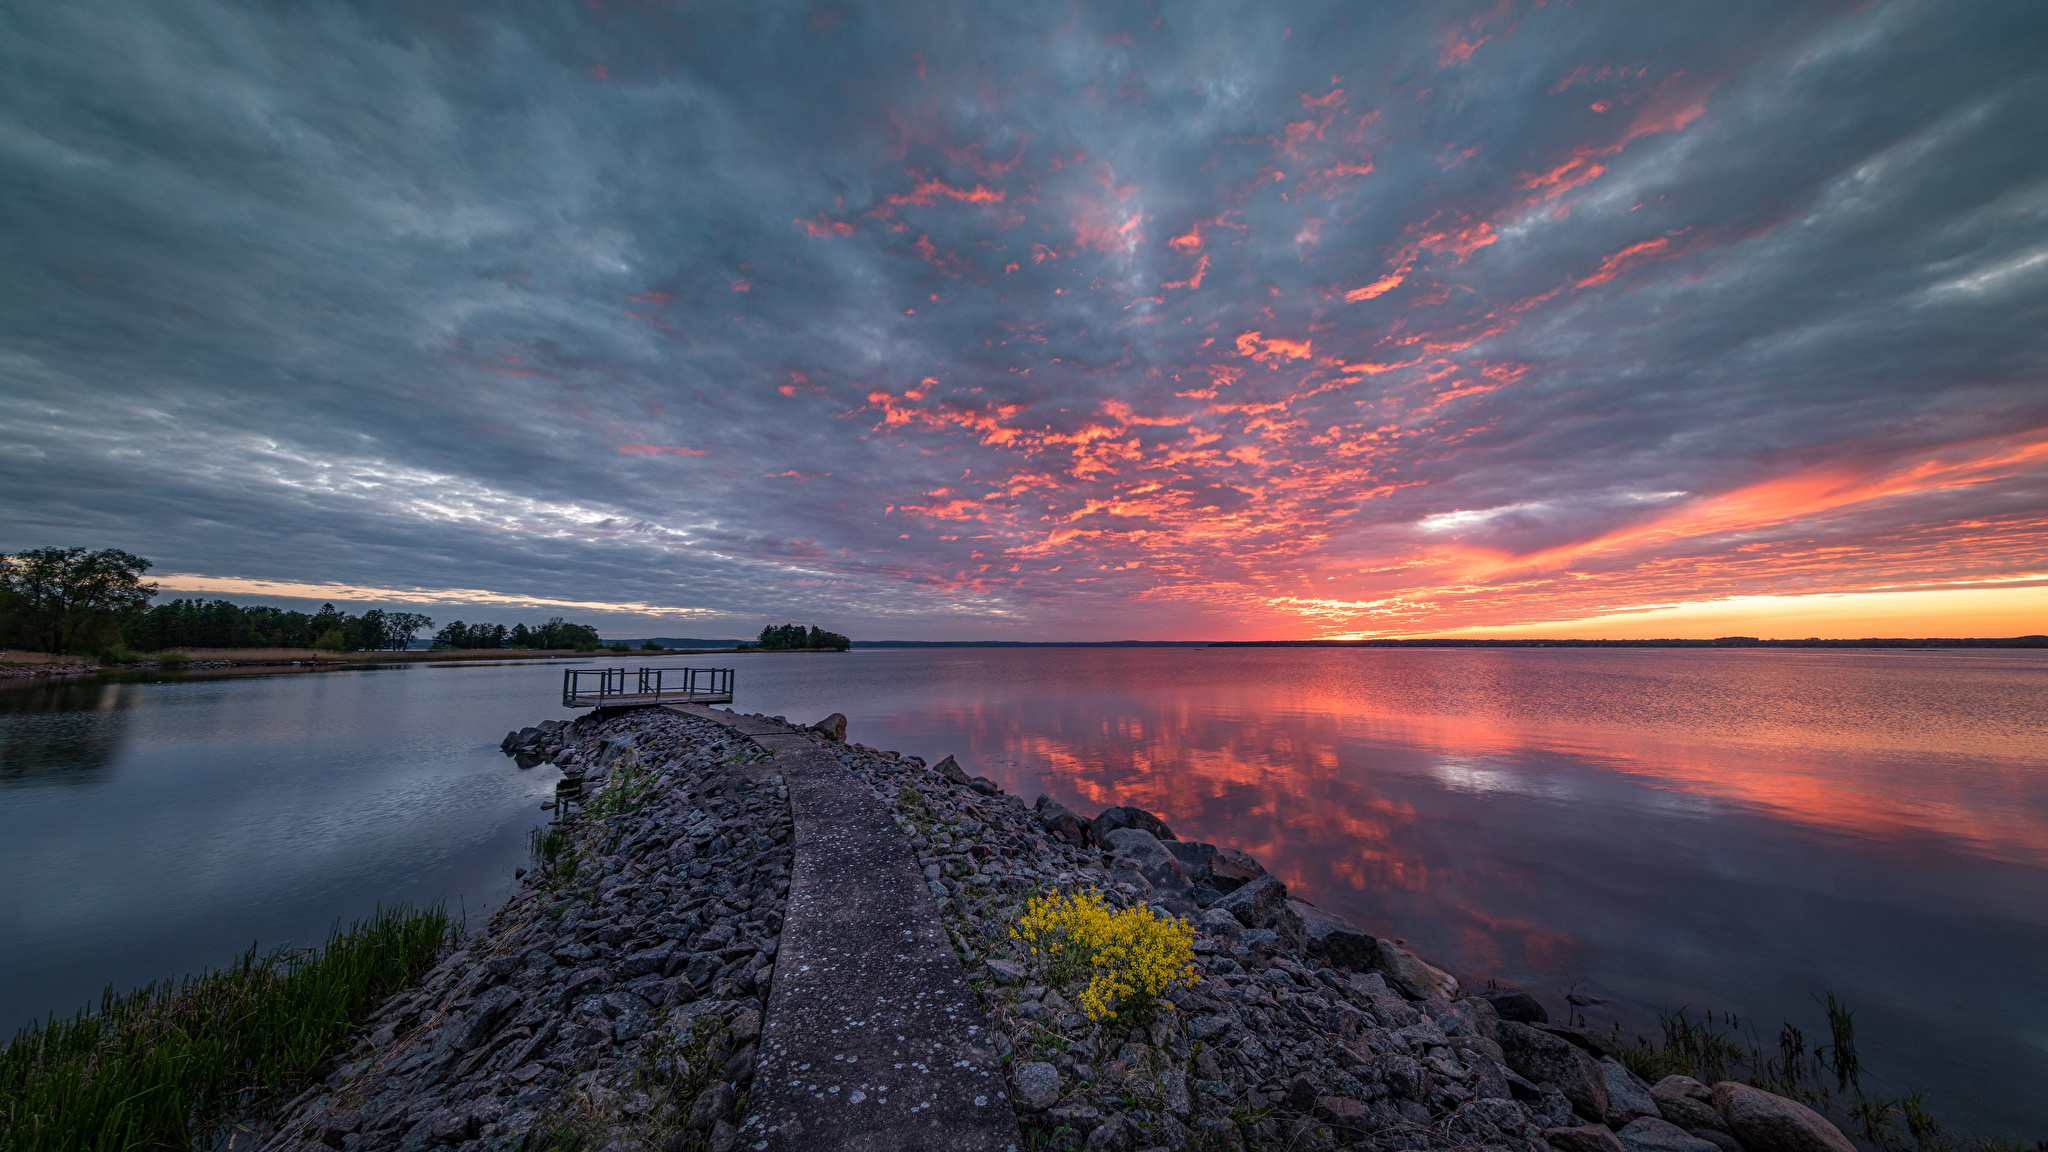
{"x": 873, "y": 1040}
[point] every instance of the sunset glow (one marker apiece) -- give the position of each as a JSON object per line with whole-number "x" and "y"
{"x": 1287, "y": 321}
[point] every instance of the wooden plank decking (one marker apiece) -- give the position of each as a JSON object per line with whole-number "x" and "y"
{"x": 615, "y": 688}
{"x": 642, "y": 699}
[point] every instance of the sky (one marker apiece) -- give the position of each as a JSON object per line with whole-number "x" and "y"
{"x": 1041, "y": 321}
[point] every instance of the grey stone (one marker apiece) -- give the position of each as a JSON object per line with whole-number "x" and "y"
{"x": 1718, "y": 1139}
{"x": 746, "y": 1025}
{"x": 1650, "y": 1134}
{"x": 1602, "y": 1045}
{"x": 1490, "y": 1079}
{"x": 1517, "y": 1005}
{"x": 1410, "y": 973}
{"x": 949, "y": 770}
{"x": 1230, "y": 868}
{"x": 484, "y": 1016}
{"x": 1683, "y": 1086}
{"x": 1628, "y": 1098}
{"x": 1114, "y": 1134}
{"x": 453, "y": 1127}
{"x": 1006, "y": 971}
{"x": 1332, "y": 941}
{"x": 1111, "y": 819}
{"x": 1542, "y": 1057}
{"x": 1344, "y": 1112}
{"x": 710, "y": 1105}
{"x": 1037, "y": 1083}
{"x": 1173, "y": 1091}
{"x": 1143, "y": 851}
{"x": 1055, "y": 818}
{"x": 1256, "y": 904}
{"x": 1587, "y": 1138}
{"x": 1763, "y": 1122}
{"x": 1685, "y": 1104}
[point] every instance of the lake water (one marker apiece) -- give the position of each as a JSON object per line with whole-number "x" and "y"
{"x": 1733, "y": 830}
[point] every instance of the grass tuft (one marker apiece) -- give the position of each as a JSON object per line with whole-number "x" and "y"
{"x": 157, "y": 1067}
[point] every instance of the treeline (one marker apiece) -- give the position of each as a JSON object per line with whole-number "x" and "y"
{"x": 790, "y": 636}
{"x": 71, "y": 600}
{"x": 220, "y": 624}
{"x": 66, "y": 600}
{"x": 553, "y": 634}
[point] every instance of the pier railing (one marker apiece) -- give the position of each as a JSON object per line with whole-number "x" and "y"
{"x": 628, "y": 688}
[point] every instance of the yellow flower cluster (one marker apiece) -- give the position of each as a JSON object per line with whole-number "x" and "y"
{"x": 1130, "y": 957}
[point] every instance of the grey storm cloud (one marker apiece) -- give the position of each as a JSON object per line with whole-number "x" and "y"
{"x": 946, "y": 320}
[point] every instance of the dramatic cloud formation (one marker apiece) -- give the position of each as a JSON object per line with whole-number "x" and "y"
{"x": 1065, "y": 321}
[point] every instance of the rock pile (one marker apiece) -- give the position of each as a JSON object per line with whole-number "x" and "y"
{"x": 1302, "y": 1031}
{"x": 616, "y": 1000}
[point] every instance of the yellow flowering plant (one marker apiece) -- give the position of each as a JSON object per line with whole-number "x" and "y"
{"x": 1130, "y": 957}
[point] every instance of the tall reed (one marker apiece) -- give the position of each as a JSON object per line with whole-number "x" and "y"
{"x": 156, "y": 1067}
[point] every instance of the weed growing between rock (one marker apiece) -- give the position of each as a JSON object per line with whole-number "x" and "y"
{"x": 1709, "y": 1049}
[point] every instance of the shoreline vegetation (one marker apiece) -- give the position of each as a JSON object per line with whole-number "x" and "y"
{"x": 165, "y": 1065}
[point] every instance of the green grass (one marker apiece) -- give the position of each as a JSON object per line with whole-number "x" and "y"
{"x": 159, "y": 1066}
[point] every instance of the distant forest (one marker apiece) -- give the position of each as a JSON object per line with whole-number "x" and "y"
{"x": 70, "y": 600}
{"x": 553, "y": 634}
{"x": 795, "y": 636}
{"x": 220, "y": 624}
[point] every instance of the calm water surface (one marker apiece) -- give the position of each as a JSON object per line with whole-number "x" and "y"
{"x": 1736, "y": 830}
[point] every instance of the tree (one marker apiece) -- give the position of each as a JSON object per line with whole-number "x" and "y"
{"x": 66, "y": 600}
{"x": 401, "y": 627}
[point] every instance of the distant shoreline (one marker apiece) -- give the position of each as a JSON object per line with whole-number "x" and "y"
{"x": 1451, "y": 642}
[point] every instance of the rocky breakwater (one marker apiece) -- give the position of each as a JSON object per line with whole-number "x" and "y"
{"x": 617, "y": 999}
{"x": 1298, "y": 1030}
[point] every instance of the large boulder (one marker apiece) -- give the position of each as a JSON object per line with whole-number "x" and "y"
{"x": 1223, "y": 869}
{"x": 832, "y": 727}
{"x": 1333, "y": 941}
{"x": 950, "y": 771}
{"x": 1649, "y": 1134}
{"x": 1767, "y": 1123}
{"x": 1413, "y": 976}
{"x": 1539, "y": 1056}
{"x": 1517, "y": 1005}
{"x": 1628, "y": 1098}
{"x": 1684, "y": 1101}
{"x": 1112, "y": 819}
{"x": 1142, "y": 850}
{"x": 1057, "y": 819}
{"x": 1257, "y": 904}
{"x": 1230, "y": 868}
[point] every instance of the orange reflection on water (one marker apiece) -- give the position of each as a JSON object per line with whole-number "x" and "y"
{"x": 1378, "y": 780}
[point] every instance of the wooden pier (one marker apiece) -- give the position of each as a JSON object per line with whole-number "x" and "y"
{"x": 620, "y": 688}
